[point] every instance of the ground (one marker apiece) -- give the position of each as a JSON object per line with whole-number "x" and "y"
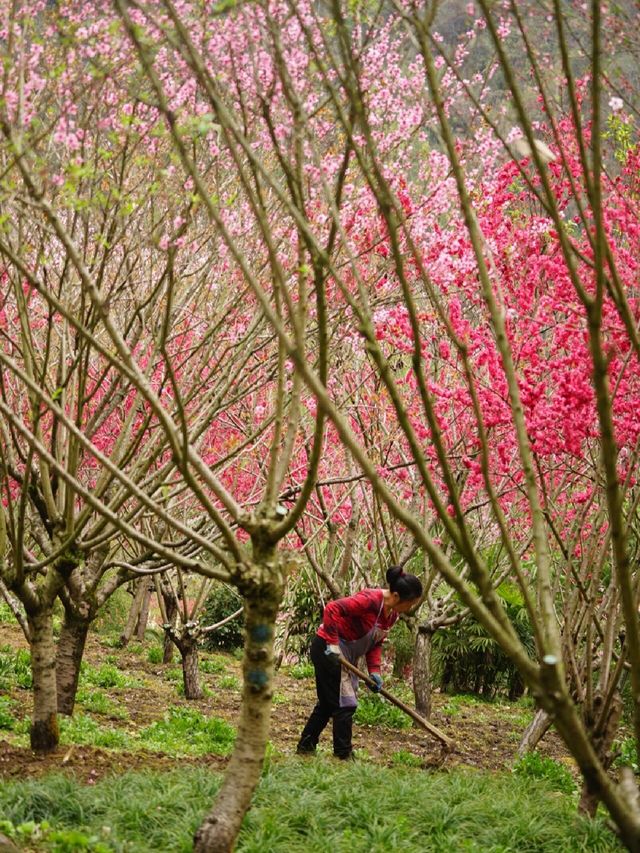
{"x": 486, "y": 735}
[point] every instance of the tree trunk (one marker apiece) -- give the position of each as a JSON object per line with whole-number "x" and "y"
{"x": 222, "y": 825}
{"x": 602, "y": 741}
{"x": 422, "y": 687}
{"x": 283, "y": 644}
{"x": 188, "y": 647}
{"x": 622, "y": 800}
{"x": 535, "y": 731}
{"x": 134, "y": 612}
{"x": 171, "y": 608}
{"x": 44, "y": 727}
{"x": 71, "y": 643}
{"x": 143, "y": 617}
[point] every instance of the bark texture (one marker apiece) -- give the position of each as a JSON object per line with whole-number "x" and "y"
{"x": 603, "y": 734}
{"x": 535, "y": 731}
{"x": 73, "y": 638}
{"x": 222, "y": 825}
{"x": 188, "y": 647}
{"x": 44, "y": 727}
{"x": 622, "y": 800}
{"x": 143, "y": 616}
{"x": 171, "y": 608}
{"x": 422, "y": 673}
{"x": 134, "y": 612}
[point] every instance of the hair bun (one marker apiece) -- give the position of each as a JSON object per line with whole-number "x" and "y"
{"x": 406, "y": 585}
{"x": 393, "y": 574}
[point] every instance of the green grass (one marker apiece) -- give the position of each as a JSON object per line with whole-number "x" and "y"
{"x": 15, "y": 668}
{"x": 213, "y": 665}
{"x": 108, "y": 675}
{"x": 628, "y": 754}
{"x": 375, "y": 711}
{"x": 7, "y": 720}
{"x": 181, "y": 731}
{"x": 6, "y": 614}
{"x": 536, "y": 766}
{"x": 81, "y": 729}
{"x": 460, "y": 701}
{"x": 97, "y": 702}
{"x": 155, "y": 654}
{"x": 308, "y": 807}
{"x": 404, "y": 758}
{"x": 186, "y": 731}
{"x": 302, "y": 670}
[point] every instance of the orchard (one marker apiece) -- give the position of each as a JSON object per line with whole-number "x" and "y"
{"x": 293, "y": 292}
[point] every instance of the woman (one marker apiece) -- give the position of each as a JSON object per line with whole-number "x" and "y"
{"x": 352, "y": 627}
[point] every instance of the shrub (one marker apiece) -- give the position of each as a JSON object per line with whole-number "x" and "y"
{"x": 402, "y": 642}
{"x": 112, "y": 617}
{"x": 467, "y": 660}
{"x": 536, "y": 766}
{"x": 304, "y": 614}
{"x": 221, "y": 602}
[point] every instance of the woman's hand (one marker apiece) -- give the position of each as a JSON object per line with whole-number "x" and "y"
{"x": 376, "y": 687}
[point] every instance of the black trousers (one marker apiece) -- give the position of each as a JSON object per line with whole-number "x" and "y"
{"x": 328, "y": 706}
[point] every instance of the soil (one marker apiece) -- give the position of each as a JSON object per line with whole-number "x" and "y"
{"x": 486, "y": 735}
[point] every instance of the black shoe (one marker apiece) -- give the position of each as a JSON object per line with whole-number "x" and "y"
{"x": 306, "y": 747}
{"x": 350, "y": 756}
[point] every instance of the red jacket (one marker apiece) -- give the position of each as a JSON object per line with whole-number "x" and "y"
{"x": 351, "y": 618}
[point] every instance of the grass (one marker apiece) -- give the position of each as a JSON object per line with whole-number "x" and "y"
{"x": 186, "y": 731}
{"x": 7, "y": 720}
{"x": 461, "y": 701}
{"x": 404, "y": 758}
{"x": 155, "y": 654}
{"x": 628, "y": 754}
{"x": 108, "y": 675}
{"x": 212, "y": 665}
{"x": 97, "y": 702}
{"x": 536, "y": 766}
{"x": 303, "y": 669}
{"x": 15, "y": 668}
{"x": 180, "y": 732}
{"x": 375, "y": 711}
{"x": 82, "y": 729}
{"x": 6, "y": 614}
{"x": 307, "y": 807}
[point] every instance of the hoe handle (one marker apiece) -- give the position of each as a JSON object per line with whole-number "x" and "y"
{"x": 407, "y": 710}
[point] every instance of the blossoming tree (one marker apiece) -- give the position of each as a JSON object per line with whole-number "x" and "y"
{"x": 373, "y": 225}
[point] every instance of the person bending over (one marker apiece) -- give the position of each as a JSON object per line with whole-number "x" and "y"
{"x": 352, "y": 627}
